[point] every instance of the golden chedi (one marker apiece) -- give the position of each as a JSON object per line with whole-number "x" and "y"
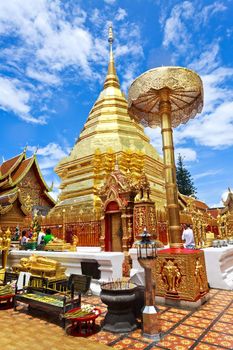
{"x": 41, "y": 266}
{"x": 109, "y": 135}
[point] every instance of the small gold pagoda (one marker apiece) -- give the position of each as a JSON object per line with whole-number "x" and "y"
{"x": 109, "y": 136}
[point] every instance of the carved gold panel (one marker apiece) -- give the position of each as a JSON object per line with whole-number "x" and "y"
{"x": 180, "y": 274}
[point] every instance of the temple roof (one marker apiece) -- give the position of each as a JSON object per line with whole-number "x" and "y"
{"x": 183, "y": 199}
{"x": 12, "y": 172}
{"x": 9, "y": 165}
{"x": 8, "y": 198}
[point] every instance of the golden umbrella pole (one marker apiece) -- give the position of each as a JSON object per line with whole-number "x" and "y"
{"x": 170, "y": 170}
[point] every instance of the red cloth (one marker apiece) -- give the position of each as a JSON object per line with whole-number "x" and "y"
{"x": 178, "y": 251}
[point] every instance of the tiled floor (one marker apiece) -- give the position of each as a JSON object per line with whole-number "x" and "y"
{"x": 209, "y": 327}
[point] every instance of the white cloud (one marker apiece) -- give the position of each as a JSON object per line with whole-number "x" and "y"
{"x": 211, "y": 10}
{"x": 129, "y": 76}
{"x": 220, "y": 203}
{"x": 49, "y": 155}
{"x": 15, "y": 98}
{"x": 43, "y": 77}
{"x": 182, "y": 30}
{"x": 214, "y": 129}
{"x": 208, "y": 59}
{"x": 155, "y": 138}
{"x": 110, "y": 2}
{"x": 175, "y": 31}
{"x": 121, "y": 14}
{"x": 188, "y": 154}
{"x": 207, "y": 174}
{"x": 217, "y": 88}
{"x": 185, "y": 19}
{"x": 96, "y": 17}
{"x": 53, "y": 40}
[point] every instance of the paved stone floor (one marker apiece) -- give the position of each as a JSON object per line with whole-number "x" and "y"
{"x": 209, "y": 327}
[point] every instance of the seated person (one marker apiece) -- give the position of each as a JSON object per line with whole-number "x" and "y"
{"x": 40, "y": 238}
{"x": 24, "y": 238}
{"x": 188, "y": 237}
{"x": 48, "y": 236}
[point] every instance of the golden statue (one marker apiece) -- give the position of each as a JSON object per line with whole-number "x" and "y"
{"x": 41, "y": 266}
{"x": 5, "y": 242}
{"x": 200, "y": 275}
{"x": 222, "y": 222}
{"x": 59, "y": 245}
{"x": 143, "y": 189}
{"x": 171, "y": 276}
{"x": 75, "y": 241}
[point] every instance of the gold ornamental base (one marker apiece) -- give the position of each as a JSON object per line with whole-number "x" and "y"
{"x": 180, "y": 274}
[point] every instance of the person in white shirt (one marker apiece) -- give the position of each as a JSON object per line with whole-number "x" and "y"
{"x": 187, "y": 236}
{"x": 40, "y": 237}
{"x": 24, "y": 238}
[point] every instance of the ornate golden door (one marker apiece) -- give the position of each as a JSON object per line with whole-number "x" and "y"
{"x": 116, "y": 232}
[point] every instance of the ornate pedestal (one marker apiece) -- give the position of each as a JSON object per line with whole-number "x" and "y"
{"x": 144, "y": 216}
{"x": 180, "y": 274}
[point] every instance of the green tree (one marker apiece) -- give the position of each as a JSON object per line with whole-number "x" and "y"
{"x": 184, "y": 179}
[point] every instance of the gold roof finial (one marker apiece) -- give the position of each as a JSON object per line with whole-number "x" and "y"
{"x": 25, "y": 148}
{"x": 110, "y": 34}
{"x": 111, "y": 79}
{"x": 110, "y": 40}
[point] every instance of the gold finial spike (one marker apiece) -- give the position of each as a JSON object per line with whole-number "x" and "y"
{"x": 111, "y": 79}
{"x": 51, "y": 187}
{"x": 110, "y": 34}
{"x": 110, "y": 40}
{"x": 36, "y": 150}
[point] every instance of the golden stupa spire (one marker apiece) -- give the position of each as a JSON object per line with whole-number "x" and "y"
{"x": 111, "y": 78}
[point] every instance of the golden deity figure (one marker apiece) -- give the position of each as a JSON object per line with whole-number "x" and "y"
{"x": 5, "y": 242}
{"x": 40, "y": 266}
{"x": 75, "y": 240}
{"x": 200, "y": 275}
{"x": 199, "y": 229}
{"x": 143, "y": 188}
{"x": 5, "y": 239}
{"x": 222, "y": 225}
{"x": 171, "y": 276}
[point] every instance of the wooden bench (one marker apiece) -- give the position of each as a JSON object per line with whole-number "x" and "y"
{"x": 39, "y": 295}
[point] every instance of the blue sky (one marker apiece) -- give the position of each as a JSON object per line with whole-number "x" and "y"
{"x": 53, "y": 61}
